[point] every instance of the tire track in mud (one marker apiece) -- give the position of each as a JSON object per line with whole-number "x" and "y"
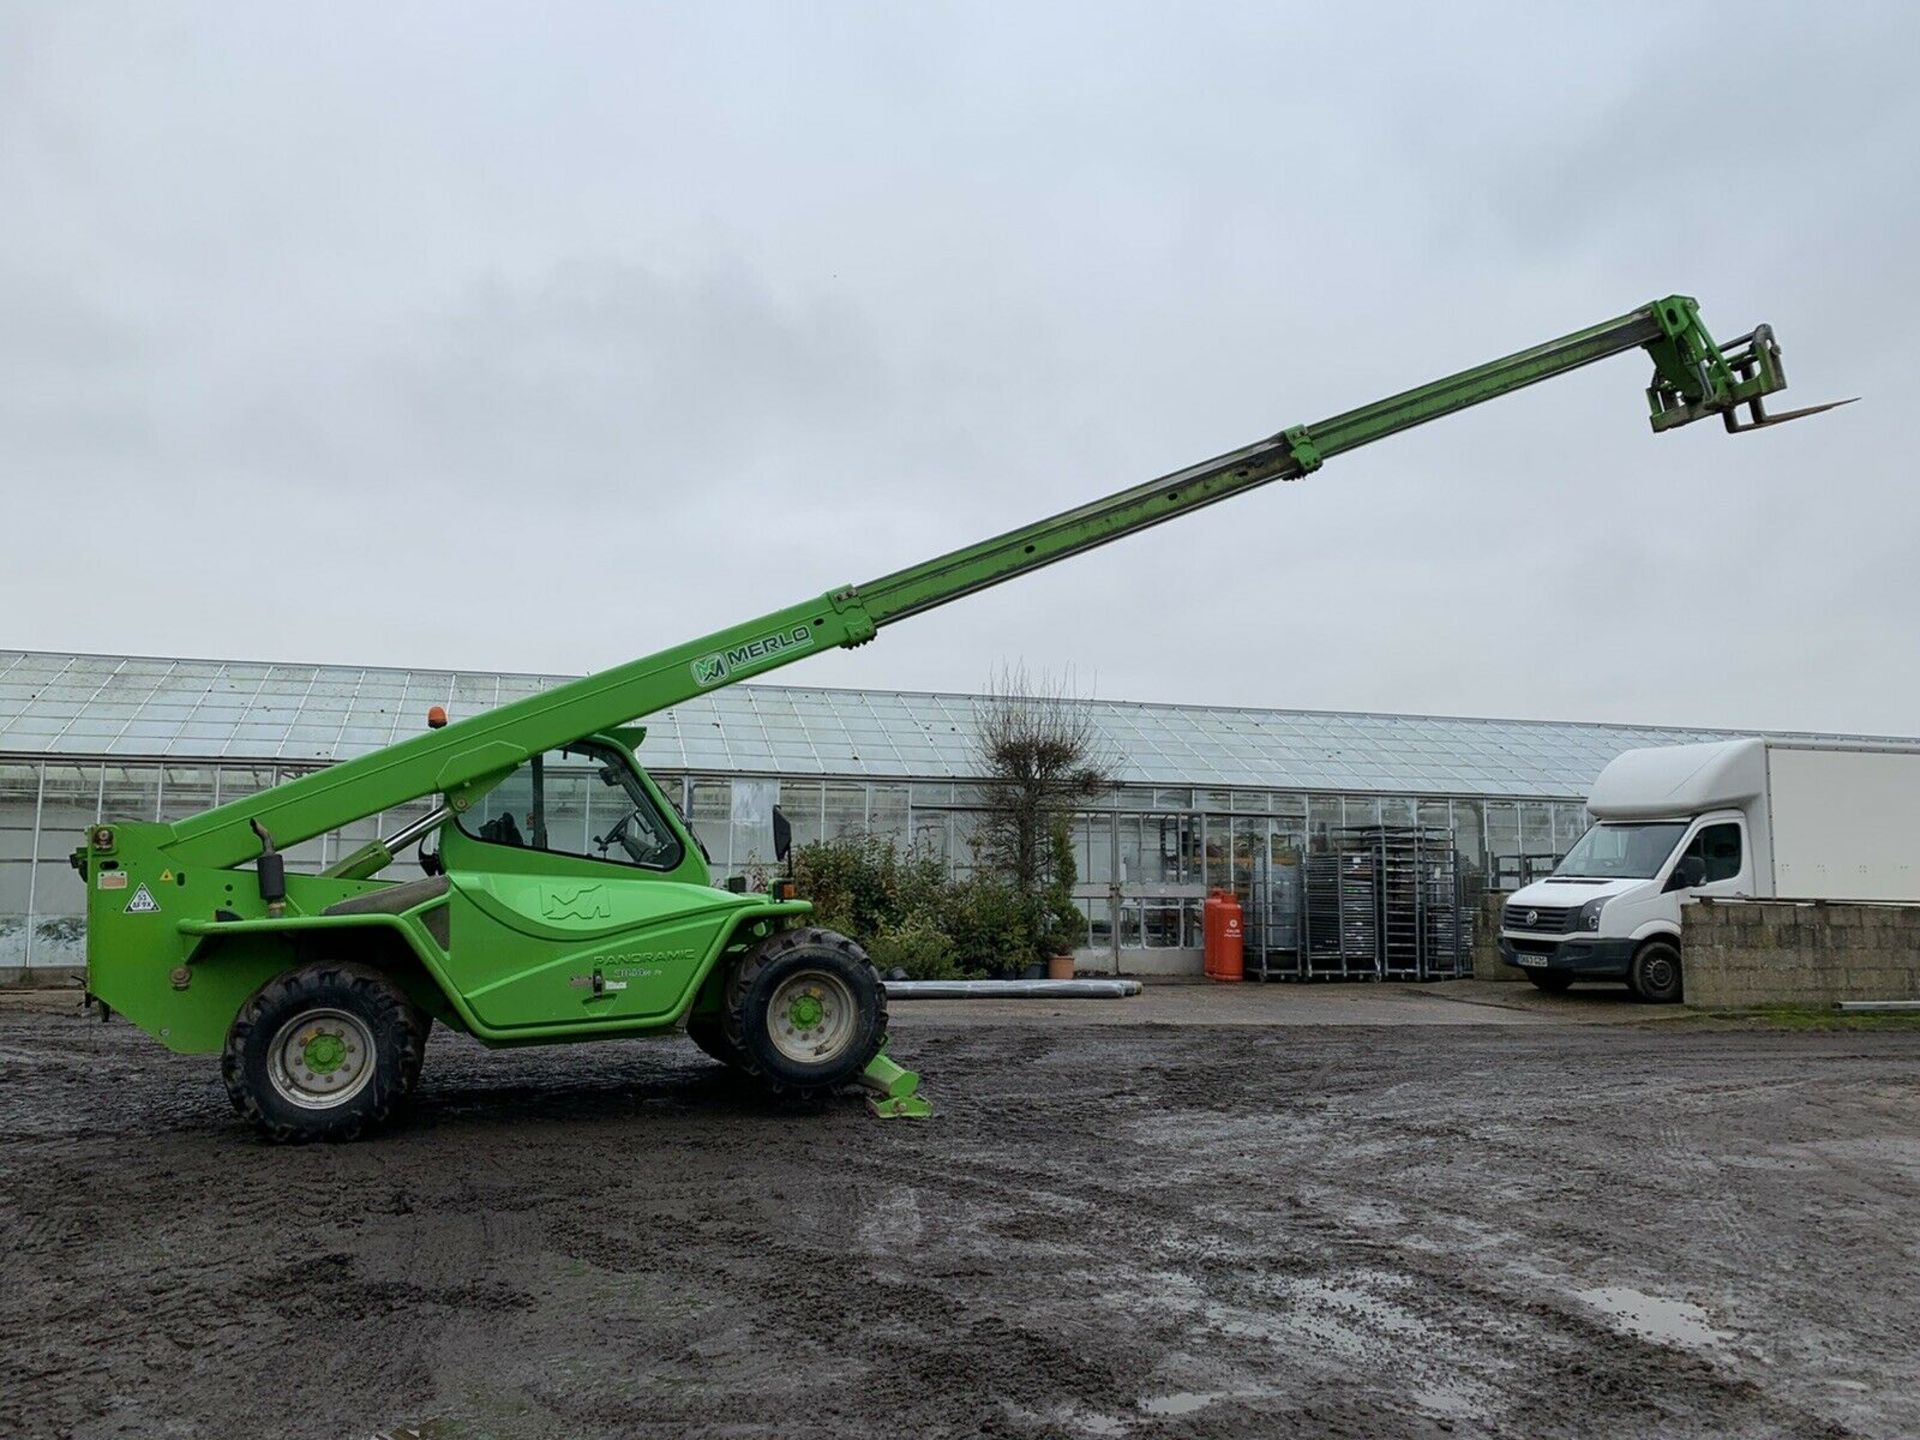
{"x": 1126, "y": 1230}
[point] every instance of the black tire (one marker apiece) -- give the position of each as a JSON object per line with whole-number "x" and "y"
{"x": 1657, "y": 977}
{"x": 709, "y": 1032}
{"x": 360, "y": 1042}
{"x": 782, "y": 987}
{"x": 1550, "y": 981}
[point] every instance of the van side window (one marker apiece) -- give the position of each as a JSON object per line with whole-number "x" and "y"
{"x": 1718, "y": 847}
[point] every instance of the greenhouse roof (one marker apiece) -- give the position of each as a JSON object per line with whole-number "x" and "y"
{"x": 199, "y": 710}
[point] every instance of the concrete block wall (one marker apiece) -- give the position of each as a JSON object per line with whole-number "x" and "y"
{"x": 1487, "y": 964}
{"x": 1785, "y": 952}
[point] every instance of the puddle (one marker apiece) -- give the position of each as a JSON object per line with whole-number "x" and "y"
{"x": 1181, "y": 1402}
{"x": 1653, "y": 1317}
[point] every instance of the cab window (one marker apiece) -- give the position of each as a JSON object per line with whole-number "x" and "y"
{"x": 583, "y": 799}
{"x": 1718, "y": 849}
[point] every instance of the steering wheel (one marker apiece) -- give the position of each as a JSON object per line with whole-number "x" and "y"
{"x": 616, "y": 831}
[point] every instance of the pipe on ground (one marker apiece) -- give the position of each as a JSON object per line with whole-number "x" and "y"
{"x": 1010, "y": 989}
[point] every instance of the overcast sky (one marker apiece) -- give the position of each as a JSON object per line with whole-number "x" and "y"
{"x": 540, "y": 337}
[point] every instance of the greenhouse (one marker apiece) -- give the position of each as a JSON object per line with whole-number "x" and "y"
{"x": 1207, "y": 796}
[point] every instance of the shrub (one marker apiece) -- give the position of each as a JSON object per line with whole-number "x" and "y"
{"x": 908, "y": 915}
{"x": 917, "y": 947}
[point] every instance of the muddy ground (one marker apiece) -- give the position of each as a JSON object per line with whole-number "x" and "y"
{"x": 1110, "y": 1230}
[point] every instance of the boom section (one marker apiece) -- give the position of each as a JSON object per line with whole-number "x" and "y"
{"x": 1287, "y": 456}
{"x": 472, "y": 753}
{"x": 1693, "y": 377}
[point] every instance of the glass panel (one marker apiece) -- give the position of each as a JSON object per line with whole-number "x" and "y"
{"x": 800, "y": 803}
{"x": 1249, "y": 840}
{"x": 1099, "y": 923}
{"x": 1323, "y": 818}
{"x": 19, "y": 794}
{"x": 1161, "y": 924}
{"x": 1536, "y": 828}
{"x": 1396, "y": 810}
{"x": 14, "y": 879}
{"x": 753, "y": 802}
{"x": 712, "y": 819}
{"x": 1569, "y": 824}
{"x": 930, "y": 834}
{"x": 1093, "y": 849}
{"x": 1503, "y": 845}
{"x": 1468, "y": 841}
{"x": 239, "y": 781}
{"x": 1360, "y": 810}
{"x": 59, "y": 916}
{"x": 72, "y": 801}
{"x": 887, "y": 812}
{"x": 846, "y": 810}
{"x": 1217, "y": 839}
{"x": 187, "y": 791}
{"x": 963, "y": 854}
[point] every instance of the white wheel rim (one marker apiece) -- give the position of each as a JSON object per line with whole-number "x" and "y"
{"x": 811, "y": 1017}
{"x": 321, "y": 1059}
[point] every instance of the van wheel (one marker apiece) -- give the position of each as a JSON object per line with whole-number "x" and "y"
{"x": 1549, "y": 981}
{"x": 1656, "y": 973}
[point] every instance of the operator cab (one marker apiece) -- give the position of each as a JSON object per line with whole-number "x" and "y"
{"x": 585, "y": 799}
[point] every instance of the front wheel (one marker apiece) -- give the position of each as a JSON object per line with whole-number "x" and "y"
{"x": 323, "y": 1053}
{"x": 1656, "y": 976}
{"x": 808, "y": 1010}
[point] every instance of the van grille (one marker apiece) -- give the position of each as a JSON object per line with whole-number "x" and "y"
{"x": 1543, "y": 919}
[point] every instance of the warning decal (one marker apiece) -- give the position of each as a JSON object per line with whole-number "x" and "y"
{"x": 113, "y": 879}
{"x": 143, "y": 903}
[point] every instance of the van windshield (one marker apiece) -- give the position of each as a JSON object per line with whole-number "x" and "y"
{"x": 1621, "y": 852}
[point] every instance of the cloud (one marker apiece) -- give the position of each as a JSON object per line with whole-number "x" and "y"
{"x": 533, "y": 342}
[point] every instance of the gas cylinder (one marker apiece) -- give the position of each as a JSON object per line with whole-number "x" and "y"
{"x": 1229, "y": 955}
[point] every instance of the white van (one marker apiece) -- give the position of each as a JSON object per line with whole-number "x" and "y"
{"x": 1799, "y": 820}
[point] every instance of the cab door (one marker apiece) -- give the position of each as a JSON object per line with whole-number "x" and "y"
{"x": 1713, "y": 861}
{"x": 576, "y": 901}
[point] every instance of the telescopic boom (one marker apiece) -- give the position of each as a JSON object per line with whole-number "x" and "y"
{"x": 1693, "y": 377}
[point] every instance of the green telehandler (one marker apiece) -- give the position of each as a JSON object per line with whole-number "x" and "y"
{"x": 562, "y": 898}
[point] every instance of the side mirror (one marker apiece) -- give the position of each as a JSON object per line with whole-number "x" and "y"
{"x": 1691, "y": 871}
{"x": 782, "y": 835}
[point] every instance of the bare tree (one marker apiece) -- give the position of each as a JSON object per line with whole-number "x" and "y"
{"x": 1041, "y": 761}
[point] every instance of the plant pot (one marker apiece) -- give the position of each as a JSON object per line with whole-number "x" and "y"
{"x": 1060, "y": 967}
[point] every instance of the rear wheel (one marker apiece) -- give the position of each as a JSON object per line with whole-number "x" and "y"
{"x": 709, "y": 1032}
{"x": 323, "y": 1053}
{"x": 1549, "y": 981}
{"x": 808, "y": 1010}
{"x": 1656, "y": 976}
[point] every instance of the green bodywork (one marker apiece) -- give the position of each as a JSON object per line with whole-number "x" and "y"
{"x": 527, "y": 945}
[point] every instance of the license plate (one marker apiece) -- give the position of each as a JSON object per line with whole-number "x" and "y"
{"x": 1532, "y": 962}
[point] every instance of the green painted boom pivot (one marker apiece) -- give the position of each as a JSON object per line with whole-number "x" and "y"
{"x": 1693, "y": 377}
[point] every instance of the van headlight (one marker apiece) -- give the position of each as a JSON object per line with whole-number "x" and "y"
{"x": 1590, "y": 915}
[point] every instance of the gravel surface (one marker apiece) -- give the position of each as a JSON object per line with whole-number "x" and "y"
{"x": 1110, "y": 1230}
